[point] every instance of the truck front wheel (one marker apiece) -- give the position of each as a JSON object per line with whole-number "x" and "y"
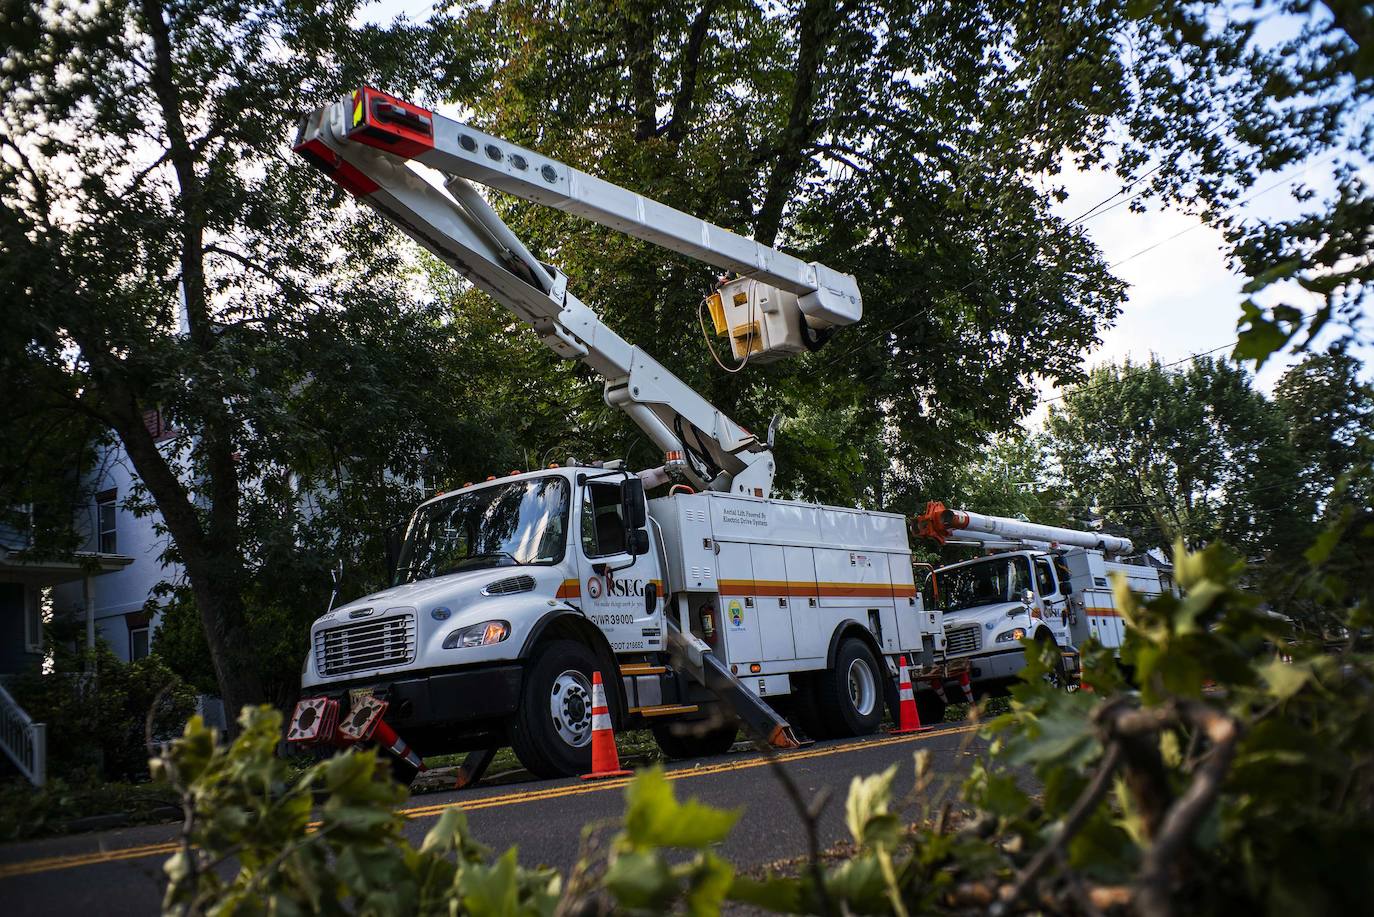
{"x": 551, "y": 731}
{"x": 851, "y": 694}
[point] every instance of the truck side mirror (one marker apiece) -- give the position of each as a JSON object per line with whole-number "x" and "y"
{"x": 651, "y": 597}
{"x": 632, "y": 511}
{"x": 1027, "y": 597}
{"x": 633, "y": 514}
{"x": 1064, "y": 587}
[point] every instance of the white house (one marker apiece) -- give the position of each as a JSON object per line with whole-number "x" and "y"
{"x": 124, "y": 617}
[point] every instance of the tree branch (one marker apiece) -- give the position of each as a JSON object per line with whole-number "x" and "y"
{"x": 815, "y": 27}
{"x": 639, "y": 51}
{"x": 1083, "y": 807}
{"x": 1153, "y": 897}
{"x": 676, "y": 127}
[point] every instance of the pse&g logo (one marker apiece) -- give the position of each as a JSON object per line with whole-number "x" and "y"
{"x": 615, "y": 588}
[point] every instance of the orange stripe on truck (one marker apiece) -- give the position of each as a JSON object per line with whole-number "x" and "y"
{"x": 801, "y": 589}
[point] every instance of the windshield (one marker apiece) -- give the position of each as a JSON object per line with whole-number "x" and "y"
{"x": 522, "y": 522}
{"x": 999, "y": 579}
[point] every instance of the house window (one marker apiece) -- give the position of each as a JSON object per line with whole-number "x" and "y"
{"x": 33, "y": 621}
{"x": 138, "y": 643}
{"x": 158, "y": 427}
{"x": 106, "y": 540}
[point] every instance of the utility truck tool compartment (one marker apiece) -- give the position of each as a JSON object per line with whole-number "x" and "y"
{"x": 782, "y": 569}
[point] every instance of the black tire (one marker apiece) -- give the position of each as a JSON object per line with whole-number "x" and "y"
{"x": 1058, "y": 676}
{"x": 695, "y": 740}
{"x": 538, "y": 741}
{"x": 892, "y": 693}
{"x": 930, "y": 708}
{"x": 838, "y": 709}
{"x": 804, "y": 709}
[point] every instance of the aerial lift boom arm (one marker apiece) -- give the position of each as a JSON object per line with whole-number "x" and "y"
{"x": 370, "y": 143}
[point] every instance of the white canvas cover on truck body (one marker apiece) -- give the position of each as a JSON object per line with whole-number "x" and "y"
{"x": 787, "y": 574}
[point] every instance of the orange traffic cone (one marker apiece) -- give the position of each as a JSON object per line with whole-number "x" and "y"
{"x": 605, "y": 759}
{"x": 908, "y": 719}
{"x": 965, "y": 683}
{"x": 388, "y": 739}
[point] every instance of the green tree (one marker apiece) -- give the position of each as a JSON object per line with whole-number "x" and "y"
{"x": 1193, "y": 454}
{"x": 1329, "y": 412}
{"x": 160, "y": 249}
{"x": 803, "y": 124}
{"x": 1012, "y": 478}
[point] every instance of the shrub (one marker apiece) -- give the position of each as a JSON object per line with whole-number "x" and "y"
{"x": 97, "y": 710}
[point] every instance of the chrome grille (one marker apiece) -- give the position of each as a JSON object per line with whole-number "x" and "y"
{"x": 510, "y": 585}
{"x": 365, "y": 645}
{"x": 960, "y": 640}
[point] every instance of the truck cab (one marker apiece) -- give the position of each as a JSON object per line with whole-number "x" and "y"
{"x": 990, "y": 604}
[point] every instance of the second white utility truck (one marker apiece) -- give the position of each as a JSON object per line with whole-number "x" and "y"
{"x": 509, "y": 594}
{"x": 1043, "y": 582}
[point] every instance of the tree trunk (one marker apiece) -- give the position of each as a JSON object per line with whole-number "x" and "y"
{"x": 211, "y": 553}
{"x": 815, "y": 26}
{"x": 639, "y": 47}
{"x": 213, "y": 569}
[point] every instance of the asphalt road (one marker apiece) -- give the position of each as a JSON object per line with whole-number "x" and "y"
{"x": 120, "y": 872}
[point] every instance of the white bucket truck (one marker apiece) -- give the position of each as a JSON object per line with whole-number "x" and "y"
{"x": 1043, "y": 582}
{"x": 509, "y": 594}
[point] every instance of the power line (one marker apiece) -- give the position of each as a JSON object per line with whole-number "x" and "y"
{"x": 1245, "y": 200}
{"x": 1082, "y": 217}
{"x": 1092, "y": 213}
{"x": 1107, "y": 383}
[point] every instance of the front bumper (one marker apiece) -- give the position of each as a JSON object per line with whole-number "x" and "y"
{"x": 1003, "y": 666}
{"x": 440, "y": 698}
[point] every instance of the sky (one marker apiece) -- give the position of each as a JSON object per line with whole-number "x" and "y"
{"x": 1182, "y": 297}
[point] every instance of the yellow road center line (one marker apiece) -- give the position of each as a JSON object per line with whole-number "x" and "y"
{"x": 50, "y": 864}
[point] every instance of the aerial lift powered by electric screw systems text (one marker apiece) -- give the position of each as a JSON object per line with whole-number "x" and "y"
{"x": 711, "y": 602}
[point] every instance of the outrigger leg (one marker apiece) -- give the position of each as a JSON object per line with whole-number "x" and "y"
{"x": 473, "y": 767}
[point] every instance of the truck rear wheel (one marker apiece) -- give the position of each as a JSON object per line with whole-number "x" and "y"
{"x": 851, "y": 694}
{"x": 551, "y": 730}
{"x": 695, "y": 740}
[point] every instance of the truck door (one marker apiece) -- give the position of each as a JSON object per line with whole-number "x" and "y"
{"x": 772, "y": 600}
{"x": 1053, "y": 604}
{"x": 614, "y": 584}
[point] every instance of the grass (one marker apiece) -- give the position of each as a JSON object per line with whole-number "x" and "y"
{"x": 26, "y": 811}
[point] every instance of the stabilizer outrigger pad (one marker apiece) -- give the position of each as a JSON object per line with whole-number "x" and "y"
{"x": 474, "y": 766}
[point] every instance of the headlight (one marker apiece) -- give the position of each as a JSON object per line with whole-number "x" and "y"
{"x": 487, "y": 632}
{"x": 1007, "y": 636}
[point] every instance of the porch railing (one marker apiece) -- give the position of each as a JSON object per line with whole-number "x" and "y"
{"x": 23, "y": 740}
